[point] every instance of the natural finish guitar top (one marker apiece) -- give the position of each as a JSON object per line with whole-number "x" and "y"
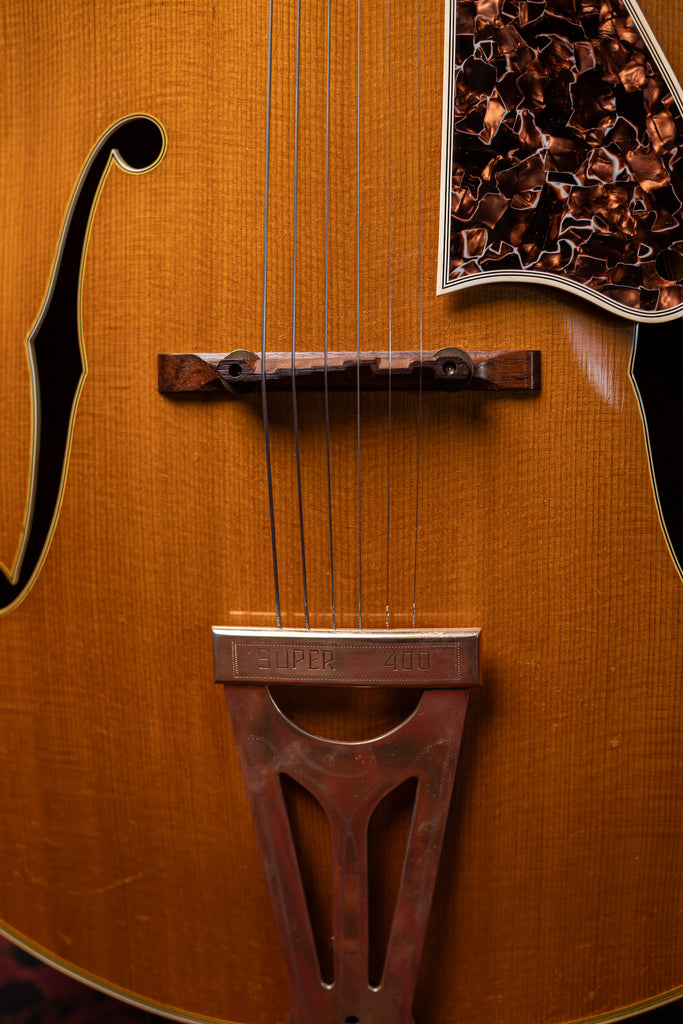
{"x": 255, "y": 177}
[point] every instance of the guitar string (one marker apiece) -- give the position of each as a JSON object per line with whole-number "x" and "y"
{"x": 419, "y": 400}
{"x": 294, "y": 297}
{"x": 327, "y": 278}
{"x": 358, "y": 255}
{"x": 264, "y": 317}
{"x": 390, "y": 324}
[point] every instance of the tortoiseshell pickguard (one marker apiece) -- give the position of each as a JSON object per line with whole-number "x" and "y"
{"x": 563, "y": 153}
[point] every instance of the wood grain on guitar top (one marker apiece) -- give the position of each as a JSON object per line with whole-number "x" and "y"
{"x": 126, "y": 840}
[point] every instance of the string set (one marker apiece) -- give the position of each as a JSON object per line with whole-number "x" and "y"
{"x": 358, "y": 303}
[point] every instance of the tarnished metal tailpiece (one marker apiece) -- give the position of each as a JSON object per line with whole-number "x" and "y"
{"x": 349, "y": 781}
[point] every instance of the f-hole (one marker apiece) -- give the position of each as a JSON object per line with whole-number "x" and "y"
{"x": 656, "y": 370}
{"x": 55, "y": 350}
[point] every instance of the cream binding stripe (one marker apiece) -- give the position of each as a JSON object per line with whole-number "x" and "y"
{"x": 56, "y": 354}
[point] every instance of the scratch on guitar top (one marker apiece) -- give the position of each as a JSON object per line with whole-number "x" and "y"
{"x": 31, "y": 878}
{"x": 111, "y": 887}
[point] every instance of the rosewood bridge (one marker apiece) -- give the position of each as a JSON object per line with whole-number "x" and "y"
{"x": 448, "y": 369}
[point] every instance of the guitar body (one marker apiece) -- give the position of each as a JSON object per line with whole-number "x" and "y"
{"x": 126, "y": 840}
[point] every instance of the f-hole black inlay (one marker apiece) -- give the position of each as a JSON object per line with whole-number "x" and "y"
{"x": 54, "y": 344}
{"x": 657, "y": 370}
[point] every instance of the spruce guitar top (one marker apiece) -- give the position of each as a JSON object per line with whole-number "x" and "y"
{"x": 198, "y": 196}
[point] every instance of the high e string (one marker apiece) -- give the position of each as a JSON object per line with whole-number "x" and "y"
{"x": 389, "y": 339}
{"x": 294, "y": 283}
{"x": 358, "y": 190}
{"x": 419, "y": 400}
{"x": 264, "y": 308}
{"x": 327, "y": 278}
